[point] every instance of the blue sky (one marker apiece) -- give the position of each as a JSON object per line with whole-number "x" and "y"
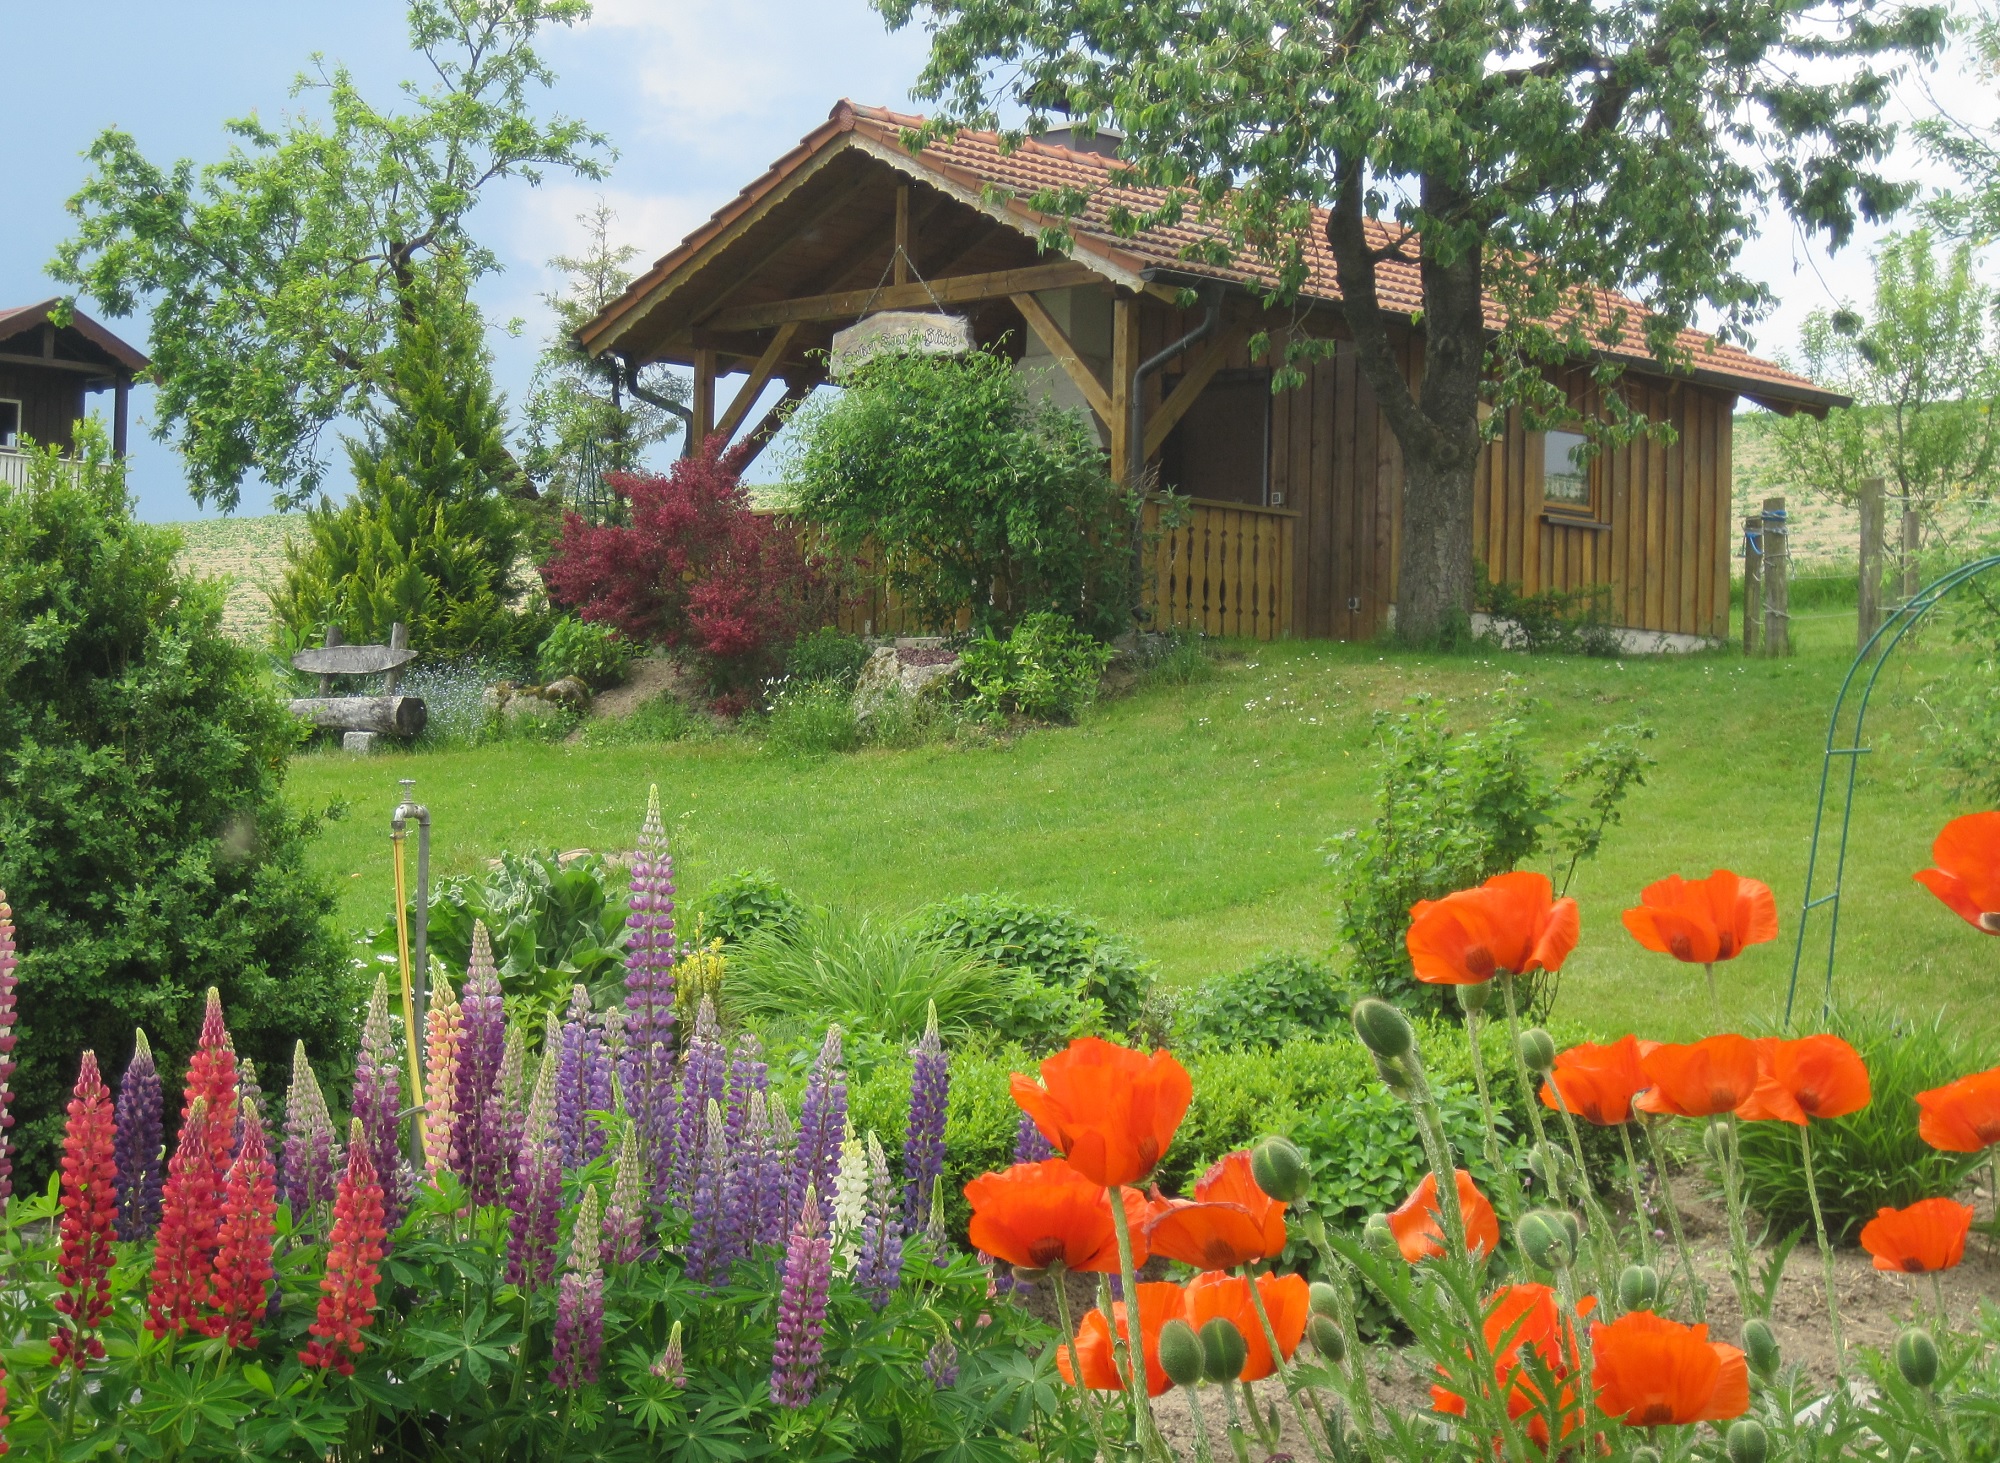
{"x": 698, "y": 98}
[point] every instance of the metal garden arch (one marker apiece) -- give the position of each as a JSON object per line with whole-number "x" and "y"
{"x": 1865, "y": 671}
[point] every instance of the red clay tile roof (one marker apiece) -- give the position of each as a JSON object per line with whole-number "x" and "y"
{"x": 974, "y": 161}
{"x": 27, "y": 317}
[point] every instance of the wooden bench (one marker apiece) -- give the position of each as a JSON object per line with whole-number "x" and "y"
{"x": 361, "y": 718}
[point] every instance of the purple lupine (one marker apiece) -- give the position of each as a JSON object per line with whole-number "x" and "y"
{"x": 711, "y": 1246}
{"x": 311, "y": 1162}
{"x": 781, "y": 1149}
{"x": 822, "y": 1125}
{"x": 802, "y": 1298}
{"x": 536, "y": 1202}
{"x": 248, "y": 1089}
{"x": 579, "y": 1338}
{"x": 647, "y": 1068}
{"x": 583, "y": 1082}
{"x": 378, "y": 1105}
{"x": 135, "y": 1145}
{"x": 625, "y": 1218}
{"x": 923, "y": 1139}
{"x": 756, "y": 1199}
{"x": 478, "y": 1156}
{"x": 1029, "y": 1144}
{"x": 8, "y": 980}
{"x": 704, "y": 1077}
{"x": 748, "y": 1076}
{"x": 878, "y": 1263}
{"x": 941, "y": 1364}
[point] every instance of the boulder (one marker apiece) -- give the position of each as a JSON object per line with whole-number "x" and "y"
{"x": 894, "y": 671}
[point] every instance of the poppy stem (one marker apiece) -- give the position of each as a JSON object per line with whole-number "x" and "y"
{"x": 1602, "y": 1233}
{"x": 1280, "y": 1363}
{"x": 1714, "y": 995}
{"x": 1639, "y": 1214}
{"x": 1739, "y": 1229}
{"x": 1237, "y": 1441}
{"x": 1135, "y": 1345}
{"x": 1492, "y": 1148}
{"x": 1202, "y": 1451}
{"x": 1360, "y": 1403}
{"x": 1437, "y": 1148}
{"x": 1825, "y": 1253}
{"x": 1550, "y": 1172}
{"x": 1937, "y": 1295}
{"x": 1059, "y": 1278}
{"x": 1697, "y": 1294}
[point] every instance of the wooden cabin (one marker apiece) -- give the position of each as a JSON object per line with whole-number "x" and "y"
{"x": 1296, "y": 495}
{"x": 47, "y": 373}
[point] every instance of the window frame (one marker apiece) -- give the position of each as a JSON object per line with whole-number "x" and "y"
{"x": 1558, "y": 510}
{"x": 20, "y": 423}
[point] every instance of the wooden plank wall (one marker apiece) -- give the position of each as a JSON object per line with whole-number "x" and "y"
{"x": 51, "y": 401}
{"x": 1662, "y": 547}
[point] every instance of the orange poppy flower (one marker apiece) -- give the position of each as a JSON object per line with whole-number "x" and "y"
{"x": 1160, "y": 1301}
{"x": 1929, "y": 1235}
{"x": 1702, "y": 921}
{"x": 1040, "y": 1214}
{"x": 1511, "y": 922}
{"x": 1109, "y": 1110}
{"x": 1598, "y": 1083}
{"x": 1653, "y": 1372}
{"x": 1231, "y": 1223}
{"x": 1962, "y": 1116}
{"x": 1967, "y": 876}
{"x": 1286, "y": 1302}
{"x": 1419, "y": 1227}
{"x": 1521, "y": 1318}
{"x": 1700, "y": 1079}
{"x": 1811, "y": 1077}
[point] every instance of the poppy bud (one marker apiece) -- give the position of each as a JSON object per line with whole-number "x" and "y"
{"x": 1395, "y": 1076}
{"x": 1917, "y": 1357}
{"x": 1748, "y": 1442}
{"x": 1638, "y": 1288}
{"x": 1323, "y": 1300}
{"x": 1181, "y": 1353}
{"x": 1472, "y": 999}
{"x": 1572, "y": 1227}
{"x": 1379, "y": 1237}
{"x": 1716, "y": 1142}
{"x": 1026, "y": 1276}
{"x": 1543, "y": 1239}
{"x": 1760, "y": 1347}
{"x": 1383, "y": 1029}
{"x": 1327, "y": 1338}
{"x": 1280, "y": 1169}
{"x": 1538, "y": 1049}
{"x": 1224, "y": 1350}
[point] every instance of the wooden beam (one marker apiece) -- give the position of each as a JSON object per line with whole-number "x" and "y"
{"x": 1124, "y": 366}
{"x": 1045, "y": 328}
{"x": 55, "y": 363}
{"x": 760, "y": 377}
{"x": 773, "y": 421}
{"x": 842, "y": 198}
{"x": 703, "y": 403}
{"x": 1193, "y": 382}
{"x": 901, "y": 266}
{"x": 958, "y": 289}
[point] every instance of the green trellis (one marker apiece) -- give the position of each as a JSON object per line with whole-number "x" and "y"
{"x": 1845, "y": 747}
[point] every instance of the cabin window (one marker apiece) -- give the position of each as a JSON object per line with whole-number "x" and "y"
{"x": 1569, "y": 478}
{"x": 1221, "y": 449}
{"x": 10, "y": 424}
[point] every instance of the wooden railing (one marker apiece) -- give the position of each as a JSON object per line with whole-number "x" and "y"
{"x": 1227, "y": 570}
{"x": 14, "y": 468}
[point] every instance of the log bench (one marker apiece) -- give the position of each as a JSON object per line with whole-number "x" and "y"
{"x": 360, "y": 719}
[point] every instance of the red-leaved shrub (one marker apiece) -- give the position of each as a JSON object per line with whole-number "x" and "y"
{"x": 696, "y": 571}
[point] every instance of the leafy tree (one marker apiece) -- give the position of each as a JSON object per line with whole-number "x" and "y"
{"x": 1964, "y": 134}
{"x": 277, "y": 279}
{"x": 971, "y": 497}
{"x": 1924, "y": 373}
{"x": 1526, "y": 151}
{"x": 581, "y": 421}
{"x": 428, "y": 536}
{"x": 145, "y": 843}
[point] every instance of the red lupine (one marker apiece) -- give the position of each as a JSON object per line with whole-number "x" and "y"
{"x": 243, "y": 1270}
{"x": 190, "y": 1229}
{"x": 353, "y": 1260}
{"x": 211, "y": 1076}
{"x": 89, "y": 1209}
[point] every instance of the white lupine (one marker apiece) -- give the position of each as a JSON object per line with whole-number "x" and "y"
{"x": 850, "y": 1198}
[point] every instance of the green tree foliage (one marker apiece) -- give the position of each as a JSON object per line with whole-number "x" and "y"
{"x": 277, "y": 279}
{"x": 972, "y": 497}
{"x": 1527, "y": 152}
{"x": 1964, "y": 133}
{"x": 1924, "y": 371}
{"x": 428, "y": 537}
{"x": 144, "y": 841}
{"x": 580, "y": 420}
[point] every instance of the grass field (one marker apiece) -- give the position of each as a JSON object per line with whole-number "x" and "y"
{"x": 1193, "y": 819}
{"x": 250, "y": 554}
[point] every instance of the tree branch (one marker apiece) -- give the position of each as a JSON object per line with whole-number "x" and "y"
{"x": 1361, "y": 307}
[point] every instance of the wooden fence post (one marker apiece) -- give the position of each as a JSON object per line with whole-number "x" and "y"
{"x": 1777, "y": 599}
{"x": 333, "y": 638}
{"x": 1912, "y": 541}
{"x": 1868, "y": 600}
{"x": 1753, "y": 582}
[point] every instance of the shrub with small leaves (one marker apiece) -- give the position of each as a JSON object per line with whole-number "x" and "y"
{"x": 1047, "y": 670}
{"x": 1056, "y": 945}
{"x": 594, "y": 654}
{"x": 739, "y": 905}
{"x": 1278, "y": 997}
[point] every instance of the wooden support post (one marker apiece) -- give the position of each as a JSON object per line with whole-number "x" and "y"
{"x": 1753, "y": 582}
{"x": 1127, "y": 466}
{"x": 760, "y": 377}
{"x": 1777, "y": 599}
{"x": 1913, "y": 537}
{"x": 703, "y": 402}
{"x": 1868, "y": 597}
{"x": 333, "y": 638}
{"x": 1059, "y": 346}
{"x": 399, "y": 639}
{"x": 121, "y": 414}
{"x": 902, "y": 261}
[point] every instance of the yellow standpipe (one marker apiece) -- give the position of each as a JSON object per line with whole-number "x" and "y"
{"x": 397, "y": 838}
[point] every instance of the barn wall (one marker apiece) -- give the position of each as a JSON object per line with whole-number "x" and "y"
{"x": 1661, "y": 542}
{"x": 51, "y": 401}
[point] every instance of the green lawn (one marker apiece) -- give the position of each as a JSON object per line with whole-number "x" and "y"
{"x": 1193, "y": 819}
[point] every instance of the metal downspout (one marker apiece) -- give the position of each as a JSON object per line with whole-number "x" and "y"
{"x": 664, "y": 403}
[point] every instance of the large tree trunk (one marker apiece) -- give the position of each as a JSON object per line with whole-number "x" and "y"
{"x": 1434, "y": 570}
